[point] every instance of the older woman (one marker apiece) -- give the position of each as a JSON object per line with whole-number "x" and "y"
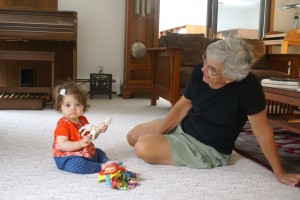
{"x": 201, "y": 128}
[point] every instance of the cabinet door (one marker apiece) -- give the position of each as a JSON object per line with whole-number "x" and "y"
{"x": 142, "y": 18}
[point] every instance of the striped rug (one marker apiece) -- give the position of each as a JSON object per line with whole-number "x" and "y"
{"x": 288, "y": 145}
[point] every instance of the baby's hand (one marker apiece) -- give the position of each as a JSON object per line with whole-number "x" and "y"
{"x": 104, "y": 128}
{"x": 107, "y": 121}
{"x": 101, "y": 130}
{"x": 85, "y": 141}
{"x": 85, "y": 129}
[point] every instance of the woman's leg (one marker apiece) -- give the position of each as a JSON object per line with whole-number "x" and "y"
{"x": 142, "y": 130}
{"x": 154, "y": 148}
{"x": 149, "y": 145}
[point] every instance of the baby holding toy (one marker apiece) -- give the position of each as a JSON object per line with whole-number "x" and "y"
{"x": 73, "y": 150}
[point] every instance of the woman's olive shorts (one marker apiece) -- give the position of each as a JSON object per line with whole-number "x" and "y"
{"x": 188, "y": 151}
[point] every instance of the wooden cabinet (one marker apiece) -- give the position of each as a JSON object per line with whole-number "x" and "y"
{"x": 50, "y": 5}
{"x": 20, "y": 45}
{"x": 142, "y": 18}
{"x": 282, "y": 62}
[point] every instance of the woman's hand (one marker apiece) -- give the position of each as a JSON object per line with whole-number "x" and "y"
{"x": 289, "y": 179}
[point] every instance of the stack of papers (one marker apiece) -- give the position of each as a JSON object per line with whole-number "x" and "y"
{"x": 280, "y": 84}
{"x": 275, "y": 35}
{"x": 274, "y": 38}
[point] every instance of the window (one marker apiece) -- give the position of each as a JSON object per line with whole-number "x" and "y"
{"x": 215, "y": 18}
{"x": 179, "y": 16}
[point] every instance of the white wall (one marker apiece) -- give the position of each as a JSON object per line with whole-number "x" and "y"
{"x": 283, "y": 21}
{"x": 231, "y": 17}
{"x": 101, "y": 35}
{"x": 283, "y": 18}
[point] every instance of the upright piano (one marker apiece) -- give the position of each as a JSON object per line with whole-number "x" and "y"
{"x": 31, "y": 33}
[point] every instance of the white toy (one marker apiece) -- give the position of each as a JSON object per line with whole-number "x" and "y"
{"x": 94, "y": 130}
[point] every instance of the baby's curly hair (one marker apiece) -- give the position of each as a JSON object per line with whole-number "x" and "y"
{"x": 78, "y": 91}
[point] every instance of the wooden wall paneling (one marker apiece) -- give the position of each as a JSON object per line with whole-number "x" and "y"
{"x": 64, "y": 57}
{"x": 14, "y": 45}
{"x": 14, "y": 66}
{"x": 43, "y": 69}
{"x": 3, "y": 44}
{"x": 58, "y": 48}
{"x": 29, "y": 46}
{"x": 3, "y": 73}
{"x": 43, "y": 45}
{"x": 14, "y": 73}
{"x": 74, "y": 60}
{"x": 68, "y": 61}
{"x": 43, "y": 74}
{"x": 3, "y": 67}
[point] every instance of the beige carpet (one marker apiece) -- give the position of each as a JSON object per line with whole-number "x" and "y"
{"x": 27, "y": 170}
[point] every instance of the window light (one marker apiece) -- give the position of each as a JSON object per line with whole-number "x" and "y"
{"x": 237, "y": 2}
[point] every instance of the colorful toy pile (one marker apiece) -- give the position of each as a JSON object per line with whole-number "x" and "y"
{"x": 117, "y": 177}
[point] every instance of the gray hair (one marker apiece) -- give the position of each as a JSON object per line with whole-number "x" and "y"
{"x": 235, "y": 55}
